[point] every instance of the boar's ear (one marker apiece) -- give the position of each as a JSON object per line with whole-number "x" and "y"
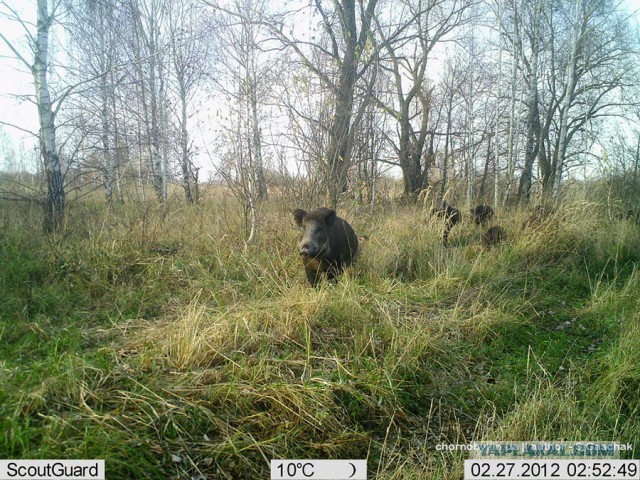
{"x": 329, "y": 216}
{"x": 298, "y": 215}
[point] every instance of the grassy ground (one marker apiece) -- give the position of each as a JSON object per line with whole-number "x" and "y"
{"x": 153, "y": 339}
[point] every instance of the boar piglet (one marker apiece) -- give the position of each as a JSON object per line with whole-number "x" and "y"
{"x": 493, "y": 236}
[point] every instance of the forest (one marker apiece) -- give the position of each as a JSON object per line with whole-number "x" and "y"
{"x": 157, "y": 161}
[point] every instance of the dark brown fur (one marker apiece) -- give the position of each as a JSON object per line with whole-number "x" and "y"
{"x": 327, "y": 245}
{"x": 482, "y": 214}
{"x": 494, "y": 236}
{"x": 451, "y": 215}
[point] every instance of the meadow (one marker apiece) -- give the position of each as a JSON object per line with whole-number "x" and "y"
{"x": 151, "y": 337}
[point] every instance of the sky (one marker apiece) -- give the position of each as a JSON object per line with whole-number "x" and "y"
{"x": 16, "y": 81}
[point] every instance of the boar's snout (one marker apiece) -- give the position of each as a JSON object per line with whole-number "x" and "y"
{"x": 314, "y": 243}
{"x": 309, "y": 249}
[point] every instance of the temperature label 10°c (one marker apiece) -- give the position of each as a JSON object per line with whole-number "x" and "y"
{"x": 318, "y": 469}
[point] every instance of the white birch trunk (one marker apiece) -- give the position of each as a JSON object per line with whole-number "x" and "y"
{"x": 470, "y": 164}
{"x": 568, "y": 100}
{"x": 257, "y": 146}
{"x": 107, "y": 159}
{"x": 496, "y": 142}
{"x": 510, "y": 137}
{"x": 184, "y": 141}
{"x": 163, "y": 122}
{"x": 55, "y": 204}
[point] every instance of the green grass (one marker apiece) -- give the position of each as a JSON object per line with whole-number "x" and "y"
{"x": 146, "y": 336}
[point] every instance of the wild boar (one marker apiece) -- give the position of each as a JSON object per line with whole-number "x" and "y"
{"x": 327, "y": 244}
{"x": 451, "y": 215}
{"x": 482, "y": 214}
{"x": 493, "y": 236}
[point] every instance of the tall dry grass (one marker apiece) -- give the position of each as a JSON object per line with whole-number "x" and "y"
{"x": 151, "y": 337}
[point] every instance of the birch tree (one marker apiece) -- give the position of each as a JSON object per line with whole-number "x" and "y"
{"x": 452, "y": 81}
{"x": 96, "y": 37}
{"x": 189, "y": 46}
{"x": 148, "y": 45}
{"x": 55, "y": 199}
{"x": 246, "y": 74}
{"x": 532, "y": 31}
{"x": 496, "y": 129}
{"x": 599, "y": 64}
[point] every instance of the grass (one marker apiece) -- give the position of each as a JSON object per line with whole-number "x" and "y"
{"x": 150, "y": 337}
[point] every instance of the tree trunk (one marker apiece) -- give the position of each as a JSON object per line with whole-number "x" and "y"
{"x": 261, "y": 183}
{"x": 568, "y": 99}
{"x": 55, "y": 204}
{"x": 531, "y": 149}
{"x": 413, "y": 160}
{"x": 106, "y": 150}
{"x": 156, "y": 156}
{"x": 118, "y": 154}
{"x": 514, "y": 125}
{"x": 533, "y": 117}
{"x": 338, "y": 151}
{"x": 496, "y": 142}
{"x": 547, "y": 169}
{"x": 636, "y": 160}
{"x": 163, "y": 126}
{"x": 445, "y": 162}
{"x": 107, "y": 156}
{"x": 469, "y": 164}
{"x": 485, "y": 172}
{"x": 184, "y": 143}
